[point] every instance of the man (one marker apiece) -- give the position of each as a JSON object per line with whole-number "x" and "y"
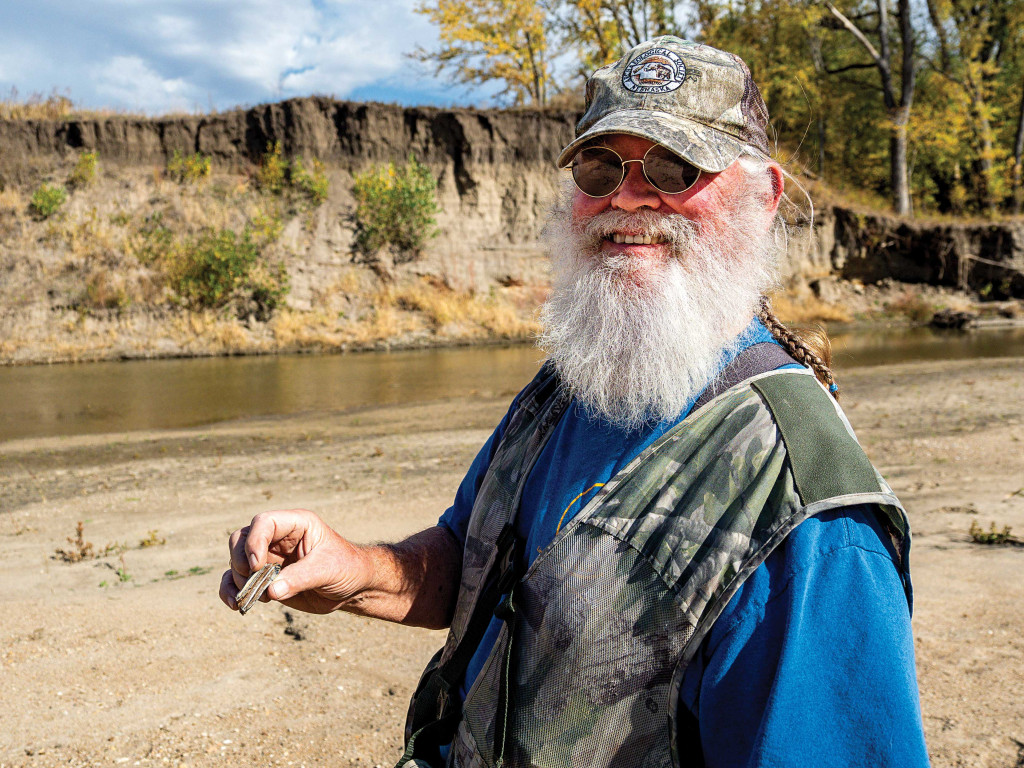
{"x": 671, "y": 550}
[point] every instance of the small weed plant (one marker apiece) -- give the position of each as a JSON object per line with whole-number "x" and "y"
{"x": 188, "y": 169}
{"x": 47, "y": 200}
{"x": 152, "y": 539}
{"x": 79, "y": 550}
{"x": 271, "y": 175}
{"x": 396, "y": 207}
{"x": 122, "y": 572}
{"x": 992, "y": 537}
{"x": 276, "y": 176}
{"x": 84, "y": 171}
{"x": 312, "y": 183}
{"x": 195, "y": 570}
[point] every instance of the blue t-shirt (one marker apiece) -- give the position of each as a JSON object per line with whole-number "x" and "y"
{"x": 812, "y": 661}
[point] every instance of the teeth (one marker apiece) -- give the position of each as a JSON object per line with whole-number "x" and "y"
{"x": 635, "y": 239}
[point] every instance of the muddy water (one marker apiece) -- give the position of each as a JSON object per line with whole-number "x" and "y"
{"x": 37, "y": 401}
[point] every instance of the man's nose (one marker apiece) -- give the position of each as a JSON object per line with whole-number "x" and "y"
{"x": 635, "y": 191}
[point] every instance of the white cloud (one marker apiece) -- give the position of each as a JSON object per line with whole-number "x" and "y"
{"x": 179, "y": 54}
{"x": 130, "y": 82}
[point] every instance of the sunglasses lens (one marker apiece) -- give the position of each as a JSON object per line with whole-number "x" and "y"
{"x": 597, "y": 171}
{"x": 668, "y": 171}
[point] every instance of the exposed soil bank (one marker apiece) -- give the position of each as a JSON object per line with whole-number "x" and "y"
{"x": 155, "y": 670}
{"x": 84, "y": 284}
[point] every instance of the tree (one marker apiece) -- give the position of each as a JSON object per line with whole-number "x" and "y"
{"x": 969, "y": 38}
{"x": 603, "y": 30}
{"x": 1010, "y": 93}
{"x": 897, "y": 100}
{"x": 1018, "y": 156}
{"x": 492, "y": 40}
{"x": 781, "y": 42}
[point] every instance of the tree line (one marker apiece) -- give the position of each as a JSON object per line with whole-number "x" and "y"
{"x": 918, "y": 101}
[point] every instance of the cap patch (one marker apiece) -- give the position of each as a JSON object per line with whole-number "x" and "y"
{"x": 658, "y": 70}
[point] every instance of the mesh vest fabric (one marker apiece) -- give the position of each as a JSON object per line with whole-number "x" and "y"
{"x": 613, "y": 610}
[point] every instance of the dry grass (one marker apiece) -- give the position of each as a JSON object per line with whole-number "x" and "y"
{"x": 912, "y": 305}
{"x": 407, "y": 313}
{"x": 36, "y": 106}
{"x": 208, "y": 333}
{"x": 351, "y": 282}
{"x": 60, "y": 106}
{"x": 316, "y": 330}
{"x": 790, "y": 308}
{"x": 12, "y": 213}
{"x": 496, "y": 315}
{"x": 11, "y": 201}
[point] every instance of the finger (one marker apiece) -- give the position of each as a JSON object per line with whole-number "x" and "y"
{"x": 239, "y": 559}
{"x": 282, "y": 529}
{"x": 228, "y": 590}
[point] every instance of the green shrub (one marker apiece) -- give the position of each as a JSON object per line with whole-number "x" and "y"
{"x": 271, "y": 175}
{"x": 188, "y": 168}
{"x": 47, "y": 200}
{"x": 85, "y": 170}
{"x": 395, "y": 206}
{"x": 210, "y": 268}
{"x": 220, "y": 267}
{"x": 313, "y": 185}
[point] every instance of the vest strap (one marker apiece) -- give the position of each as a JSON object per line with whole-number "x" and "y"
{"x": 755, "y": 359}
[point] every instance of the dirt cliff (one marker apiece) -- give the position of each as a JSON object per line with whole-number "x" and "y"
{"x": 71, "y": 281}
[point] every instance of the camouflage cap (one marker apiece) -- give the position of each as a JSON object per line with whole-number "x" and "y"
{"x": 696, "y": 100}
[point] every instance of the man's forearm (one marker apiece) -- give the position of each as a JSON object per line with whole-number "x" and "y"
{"x": 414, "y": 582}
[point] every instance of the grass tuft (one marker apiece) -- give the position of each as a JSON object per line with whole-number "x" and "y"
{"x": 84, "y": 171}
{"x": 47, "y": 200}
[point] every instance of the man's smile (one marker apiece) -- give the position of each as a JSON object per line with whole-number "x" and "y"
{"x": 620, "y": 238}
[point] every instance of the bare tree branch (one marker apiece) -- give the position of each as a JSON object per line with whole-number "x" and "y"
{"x": 854, "y": 30}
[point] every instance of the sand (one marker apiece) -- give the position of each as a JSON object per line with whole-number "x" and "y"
{"x": 131, "y": 659}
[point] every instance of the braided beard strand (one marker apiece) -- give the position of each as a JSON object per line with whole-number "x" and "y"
{"x": 636, "y": 339}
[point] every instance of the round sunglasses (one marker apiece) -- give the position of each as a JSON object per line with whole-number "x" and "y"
{"x": 599, "y": 171}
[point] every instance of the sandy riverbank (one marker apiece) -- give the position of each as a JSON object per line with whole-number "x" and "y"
{"x": 153, "y": 670}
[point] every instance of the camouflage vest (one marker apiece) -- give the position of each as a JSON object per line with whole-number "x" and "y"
{"x": 587, "y": 671}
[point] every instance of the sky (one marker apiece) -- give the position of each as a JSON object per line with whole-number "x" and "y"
{"x": 159, "y": 56}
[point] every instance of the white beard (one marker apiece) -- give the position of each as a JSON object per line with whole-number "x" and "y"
{"x": 636, "y": 339}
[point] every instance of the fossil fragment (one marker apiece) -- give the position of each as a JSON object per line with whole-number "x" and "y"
{"x": 256, "y": 586}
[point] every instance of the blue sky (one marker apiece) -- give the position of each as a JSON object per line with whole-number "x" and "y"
{"x": 159, "y": 56}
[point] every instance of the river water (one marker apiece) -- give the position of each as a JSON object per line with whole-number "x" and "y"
{"x": 40, "y": 401}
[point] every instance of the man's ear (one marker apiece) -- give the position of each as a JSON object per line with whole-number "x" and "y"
{"x": 775, "y": 174}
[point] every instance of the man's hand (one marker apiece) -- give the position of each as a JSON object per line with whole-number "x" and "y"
{"x": 320, "y": 570}
{"x": 413, "y": 582}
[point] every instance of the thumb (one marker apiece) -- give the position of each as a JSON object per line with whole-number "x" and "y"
{"x": 300, "y": 576}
